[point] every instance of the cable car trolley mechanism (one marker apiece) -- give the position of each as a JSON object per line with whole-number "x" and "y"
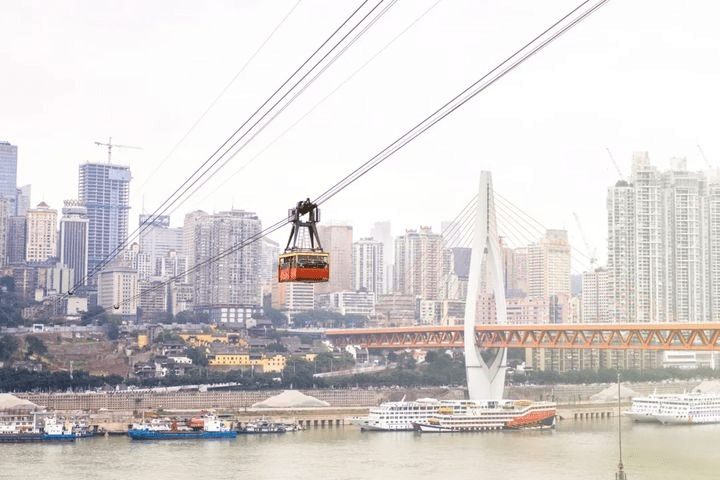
{"x": 300, "y": 264}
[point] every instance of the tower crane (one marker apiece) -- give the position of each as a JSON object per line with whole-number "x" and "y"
{"x": 622, "y": 177}
{"x": 110, "y": 146}
{"x": 591, "y": 251}
{"x": 702, "y": 153}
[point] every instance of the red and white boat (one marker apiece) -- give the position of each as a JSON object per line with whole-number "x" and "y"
{"x": 474, "y": 416}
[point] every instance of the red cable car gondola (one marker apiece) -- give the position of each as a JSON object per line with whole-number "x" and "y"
{"x": 299, "y": 264}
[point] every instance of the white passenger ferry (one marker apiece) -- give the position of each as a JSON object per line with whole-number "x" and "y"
{"x": 397, "y": 415}
{"x": 644, "y": 409}
{"x": 690, "y": 408}
{"x": 473, "y": 416}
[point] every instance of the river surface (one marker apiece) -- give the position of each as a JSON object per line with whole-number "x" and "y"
{"x": 574, "y": 450}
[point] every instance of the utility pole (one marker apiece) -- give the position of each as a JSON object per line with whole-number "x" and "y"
{"x": 110, "y": 146}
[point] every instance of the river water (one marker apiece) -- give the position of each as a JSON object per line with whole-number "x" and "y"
{"x": 574, "y": 450}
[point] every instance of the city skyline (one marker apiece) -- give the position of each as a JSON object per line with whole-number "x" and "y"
{"x": 546, "y": 148}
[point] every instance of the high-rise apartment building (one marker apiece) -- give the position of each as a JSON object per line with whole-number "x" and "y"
{"x": 23, "y": 200}
{"x": 515, "y": 268}
{"x": 8, "y": 173}
{"x": 382, "y": 232}
{"x": 74, "y": 240}
{"x": 419, "y": 264}
{"x": 157, "y": 240}
{"x": 548, "y": 265}
{"x": 5, "y": 219}
{"x": 223, "y": 274}
{"x": 104, "y": 189}
{"x": 41, "y": 242}
{"x": 368, "y": 266}
{"x": 596, "y": 297}
{"x": 338, "y": 241}
{"x": 118, "y": 290}
{"x": 269, "y": 261}
{"x": 663, "y": 229}
{"x": 16, "y": 240}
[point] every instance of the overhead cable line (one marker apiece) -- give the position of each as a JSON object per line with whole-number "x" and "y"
{"x": 326, "y": 97}
{"x": 488, "y": 79}
{"x": 199, "y": 173}
{"x": 222, "y": 93}
{"x": 295, "y": 95}
{"x": 509, "y": 64}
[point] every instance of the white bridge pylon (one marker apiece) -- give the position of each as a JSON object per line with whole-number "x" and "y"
{"x": 485, "y": 376}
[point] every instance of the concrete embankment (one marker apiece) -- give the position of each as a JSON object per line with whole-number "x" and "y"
{"x": 115, "y": 410}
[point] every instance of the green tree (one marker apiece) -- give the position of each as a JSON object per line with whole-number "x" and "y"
{"x": 277, "y": 318}
{"x": 7, "y": 284}
{"x": 8, "y": 347}
{"x": 197, "y": 355}
{"x": 34, "y": 346}
{"x": 95, "y": 315}
{"x": 113, "y": 331}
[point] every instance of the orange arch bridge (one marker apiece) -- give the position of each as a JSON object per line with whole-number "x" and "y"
{"x": 643, "y": 336}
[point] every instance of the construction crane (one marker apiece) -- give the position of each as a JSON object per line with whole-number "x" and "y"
{"x": 622, "y": 177}
{"x": 707, "y": 162}
{"x": 110, "y": 146}
{"x": 591, "y": 251}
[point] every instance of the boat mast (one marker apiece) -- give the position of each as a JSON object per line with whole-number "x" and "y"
{"x": 620, "y": 475}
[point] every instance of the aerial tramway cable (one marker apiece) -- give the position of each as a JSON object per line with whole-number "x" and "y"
{"x": 199, "y": 173}
{"x": 509, "y": 64}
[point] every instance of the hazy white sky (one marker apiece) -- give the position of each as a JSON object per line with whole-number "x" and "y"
{"x": 637, "y": 75}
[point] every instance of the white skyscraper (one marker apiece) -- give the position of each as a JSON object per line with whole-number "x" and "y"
{"x": 226, "y": 274}
{"x": 41, "y": 241}
{"x": 104, "y": 189}
{"x": 548, "y": 265}
{"x": 663, "y": 228}
{"x": 419, "y": 264}
{"x": 382, "y": 232}
{"x": 368, "y": 266}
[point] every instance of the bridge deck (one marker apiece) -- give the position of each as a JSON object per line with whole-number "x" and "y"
{"x": 643, "y": 336}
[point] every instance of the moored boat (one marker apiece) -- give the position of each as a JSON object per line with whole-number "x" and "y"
{"x": 172, "y": 430}
{"x": 473, "y": 416}
{"x": 644, "y": 409}
{"x": 689, "y": 408}
{"x": 51, "y": 431}
{"x": 397, "y": 416}
{"x": 262, "y": 426}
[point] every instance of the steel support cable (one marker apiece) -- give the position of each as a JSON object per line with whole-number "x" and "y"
{"x": 174, "y": 197}
{"x": 449, "y": 231}
{"x": 515, "y": 207}
{"x": 521, "y": 224}
{"x": 239, "y": 246}
{"x": 459, "y": 226}
{"x": 452, "y": 229}
{"x": 480, "y": 85}
{"x": 521, "y": 233}
{"x": 326, "y": 97}
{"x": 528, "y": 242}
{"x": 528, "y": 216}
{"x": 287, "y": 104}
{"x": 522, "y": 216}
{"x": 221, "y": 94}
{"x": 459, "y": 100}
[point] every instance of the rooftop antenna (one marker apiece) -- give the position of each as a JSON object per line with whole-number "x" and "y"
{"x": 110, "y": 146}
{"x": 620, "y": 474}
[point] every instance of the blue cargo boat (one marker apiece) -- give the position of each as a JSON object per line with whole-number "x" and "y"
{"x": 212, "y": 428}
